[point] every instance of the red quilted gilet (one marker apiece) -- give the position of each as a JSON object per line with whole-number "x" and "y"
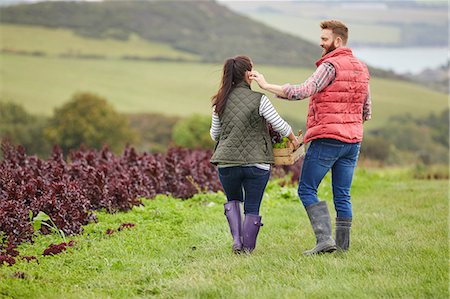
{"x": 336, "y": 111}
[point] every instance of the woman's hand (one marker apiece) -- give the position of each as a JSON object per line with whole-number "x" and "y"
{"x": 294, "y": 140}
{"x": 259, "y": 78}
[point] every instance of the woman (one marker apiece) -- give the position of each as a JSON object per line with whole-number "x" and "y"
{"x": 244, "y": 150}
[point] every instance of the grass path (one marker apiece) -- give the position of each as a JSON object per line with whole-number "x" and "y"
{"x": 181, "y": 249}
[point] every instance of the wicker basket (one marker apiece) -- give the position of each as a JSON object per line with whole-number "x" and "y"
{"x": 289, "y": 155}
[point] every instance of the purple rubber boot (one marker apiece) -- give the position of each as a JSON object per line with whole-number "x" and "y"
{"x": 252, "y": 223}
{"x": 232, "y": 211}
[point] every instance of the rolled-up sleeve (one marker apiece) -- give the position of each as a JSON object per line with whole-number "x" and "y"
{"x": 216, "y": 128}
{"x": 367, "y": 108}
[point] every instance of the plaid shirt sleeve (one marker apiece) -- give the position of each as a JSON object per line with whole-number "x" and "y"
{"x": 321, "y": 78}
{"x": 367, "y": 108}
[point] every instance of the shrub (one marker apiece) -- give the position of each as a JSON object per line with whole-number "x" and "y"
{"x": 193, "y": 132}
{"x": 154, "y": 131}
{"x": 88, "y": 119}
{"x": 20, "y": 127}
{"x": 375, "y": 148}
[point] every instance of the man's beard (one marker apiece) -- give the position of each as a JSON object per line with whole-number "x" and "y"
{"x": 329, "y": 49}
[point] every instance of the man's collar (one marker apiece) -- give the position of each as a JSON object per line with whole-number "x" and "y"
{"x": 336, "y": 52}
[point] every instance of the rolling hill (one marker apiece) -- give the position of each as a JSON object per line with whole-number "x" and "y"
{"x": 203, "y": 28}
{"x": 129, "y": 53}
{"x": 42, "y": 83}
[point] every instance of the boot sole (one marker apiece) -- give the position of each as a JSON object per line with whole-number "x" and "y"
{"x": 328, "y": 249}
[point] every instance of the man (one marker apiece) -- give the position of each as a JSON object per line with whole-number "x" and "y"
{"x": 340, "y": 103}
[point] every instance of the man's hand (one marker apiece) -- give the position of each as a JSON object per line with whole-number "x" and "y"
{"x": 275, "y": 89}
{"x": 259, "y": 78}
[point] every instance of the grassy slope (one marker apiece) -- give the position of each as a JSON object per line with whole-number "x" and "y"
{"x": 181, "y": 249}
{"x": 43, "y": 83}
{"x": 55, "y": 42}
{"x": 203, "y": 27}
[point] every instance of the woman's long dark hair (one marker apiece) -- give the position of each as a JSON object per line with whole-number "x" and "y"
{"x": 233, "y": 73}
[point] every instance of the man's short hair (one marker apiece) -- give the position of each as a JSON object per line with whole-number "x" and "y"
{"x": 337, "y": 27}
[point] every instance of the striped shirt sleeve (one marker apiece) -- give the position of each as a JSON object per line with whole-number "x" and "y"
{"x": 269, "y": 113}
{"x": 321, "y": 78}
{"x": 216, "y": 128}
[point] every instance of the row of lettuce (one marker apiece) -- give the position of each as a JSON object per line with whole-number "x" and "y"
{"x": 70, "y": 189}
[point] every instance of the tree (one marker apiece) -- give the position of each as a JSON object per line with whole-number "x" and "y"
{"x": 20, "y": 127}
{"x": 193, "y": 132}
{"x": 88, "y": 119}
{"x": 375, "y": 148}
{"x": 154, "y": 130}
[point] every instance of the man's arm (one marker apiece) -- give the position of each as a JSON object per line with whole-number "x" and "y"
{"x": 367, "y": 108}
{"x": 273, "y": 88}
{"x": 322, "y": 77}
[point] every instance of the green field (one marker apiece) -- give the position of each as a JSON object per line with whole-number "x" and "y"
{"x": 369, "y": 22}
{"x": 308, "y": 28}
{"x": 42, "y": 83}
{"x": 182, "y": 249}
{"x": 64, "y": 42}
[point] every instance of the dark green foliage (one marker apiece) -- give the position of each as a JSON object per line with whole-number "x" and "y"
{"x": 154, "y": 131}
{"x": 88, "y": 119}
{"x": 193, "y": 132}
{"x": 439, "y": 125}
{"x": 205, "y": 28}
{"x": 20, "y": 127}
{"x": 375, "y": 148}
{"x": 407, "y": 140}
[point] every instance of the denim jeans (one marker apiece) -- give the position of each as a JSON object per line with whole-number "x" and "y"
{"x": 323, "y": 155}
{"x": 246, "y": 184}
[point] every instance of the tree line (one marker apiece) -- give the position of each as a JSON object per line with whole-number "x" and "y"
{"x": 88, "y": 119}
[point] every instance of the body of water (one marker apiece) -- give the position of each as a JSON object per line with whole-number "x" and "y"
{"x": 403, "y": 60}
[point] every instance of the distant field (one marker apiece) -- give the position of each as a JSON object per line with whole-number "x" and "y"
{"x": 56, "y": 42}
{"x": 368, "y": 21}
{"x": 43, "y": 83}
{"x": 309, "y": 29}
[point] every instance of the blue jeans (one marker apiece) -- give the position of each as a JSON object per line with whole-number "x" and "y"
{"x": 323, "y": 155}
{"x": 246, "y": 184}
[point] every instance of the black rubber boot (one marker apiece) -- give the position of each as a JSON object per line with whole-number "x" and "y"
{"x": 342, "y": 233}
{"x": 252, "y": 223}
{"x": 232, "y": 211}
{"x": 321, "y": 223}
